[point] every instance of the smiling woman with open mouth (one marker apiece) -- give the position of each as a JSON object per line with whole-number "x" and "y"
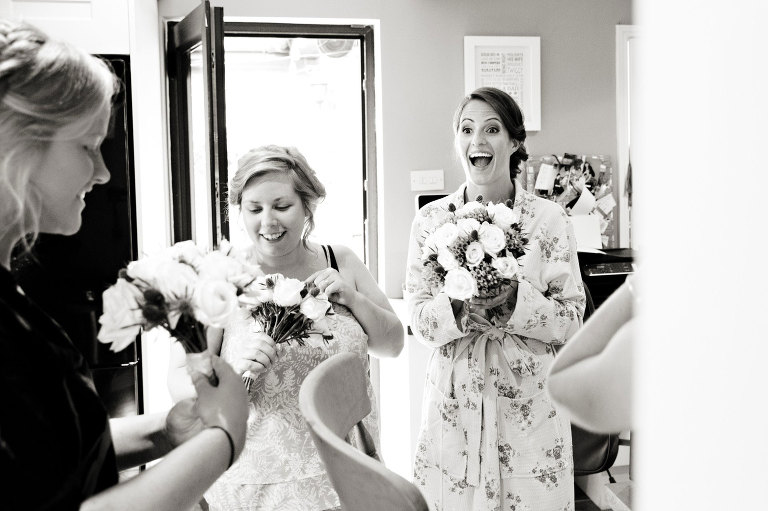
{"x": 490, "y": 437}
{"x": 277, "y": 192}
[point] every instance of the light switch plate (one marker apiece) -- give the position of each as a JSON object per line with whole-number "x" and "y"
{"x": 422, "y": 180}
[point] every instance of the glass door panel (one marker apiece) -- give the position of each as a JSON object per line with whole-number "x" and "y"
{"x": 195, "y": 65}
{"x": 200, "y": 182}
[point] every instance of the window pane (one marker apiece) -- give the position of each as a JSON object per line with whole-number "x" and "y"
{"x": 200, "y": 183}
{"x": 306, "y": 93}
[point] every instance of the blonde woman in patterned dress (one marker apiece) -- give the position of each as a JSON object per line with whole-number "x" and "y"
{"x": 280, "y": 469}
{"x": 490, "y": 436}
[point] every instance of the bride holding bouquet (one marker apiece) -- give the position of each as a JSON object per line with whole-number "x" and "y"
{"x": 493, "y": 284}
{"x": 277, "y": 193}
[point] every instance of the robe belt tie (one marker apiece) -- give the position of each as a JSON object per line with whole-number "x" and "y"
{"x": 484, "y": 341}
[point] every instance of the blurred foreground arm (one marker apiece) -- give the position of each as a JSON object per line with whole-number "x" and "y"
{"x": 592, "y": 375}
{"x": 215, "y": 425}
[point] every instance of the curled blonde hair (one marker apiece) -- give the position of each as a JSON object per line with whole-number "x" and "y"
{"x": 45, "y": 86}
{"x": 272, "y": 159}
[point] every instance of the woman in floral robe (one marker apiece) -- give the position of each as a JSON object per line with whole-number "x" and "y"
{"x": 490, "y": 436}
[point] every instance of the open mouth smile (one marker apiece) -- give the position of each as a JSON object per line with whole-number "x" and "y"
{"x": 272, "y": 236}
{"x": 480, "y": 160}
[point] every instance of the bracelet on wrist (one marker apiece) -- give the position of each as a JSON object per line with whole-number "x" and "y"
{"x": 231, "y": 444}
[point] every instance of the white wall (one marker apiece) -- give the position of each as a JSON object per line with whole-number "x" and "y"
{"x": 97, "y": 26}
{"x": 702, "y": 348}
{"x": 423, "y": 81}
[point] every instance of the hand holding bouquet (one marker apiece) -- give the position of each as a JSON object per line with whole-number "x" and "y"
{"x": 287, "y": 310}
{"x": 473, "y": 253}
{"x": 182, "y": 290}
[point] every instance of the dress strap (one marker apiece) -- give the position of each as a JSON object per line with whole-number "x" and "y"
{"x": 331, "y": 257}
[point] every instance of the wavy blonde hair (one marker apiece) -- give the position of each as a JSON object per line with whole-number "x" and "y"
{"x": 45, "y": 86}
{"x": 272, "y": 159}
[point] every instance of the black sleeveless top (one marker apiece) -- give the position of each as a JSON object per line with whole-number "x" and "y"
{"x": 328, "y": 251}
{"x": 55, "y": 443}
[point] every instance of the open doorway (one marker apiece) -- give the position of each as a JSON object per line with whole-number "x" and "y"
{"x": 302, "y": 85}
{"x": 306, "y": 93}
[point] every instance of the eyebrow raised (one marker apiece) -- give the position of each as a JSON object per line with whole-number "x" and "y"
{"x": 496, "y": 119}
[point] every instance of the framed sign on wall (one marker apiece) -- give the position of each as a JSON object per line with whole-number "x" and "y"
{"x": 512, "y": 64}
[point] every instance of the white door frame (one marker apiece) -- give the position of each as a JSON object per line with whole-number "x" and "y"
{"x": 624, "y": 34}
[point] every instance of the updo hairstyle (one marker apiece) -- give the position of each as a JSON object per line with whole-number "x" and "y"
{"x": 511, "y": 117}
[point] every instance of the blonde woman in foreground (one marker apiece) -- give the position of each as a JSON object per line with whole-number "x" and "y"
{"x": 58, "y": 448}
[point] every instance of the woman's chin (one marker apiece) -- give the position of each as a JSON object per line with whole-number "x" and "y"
{"x": 273, "y": 248}
{"x": 60, "y": 226}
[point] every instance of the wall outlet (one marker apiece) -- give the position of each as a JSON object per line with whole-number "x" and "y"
{"x": 422, "y": 180}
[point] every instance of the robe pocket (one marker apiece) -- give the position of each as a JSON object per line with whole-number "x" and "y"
{"x": 443, "y": 441}
{"x": 531, "y": 440}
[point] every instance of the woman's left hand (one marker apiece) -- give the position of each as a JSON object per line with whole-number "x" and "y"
{"x": 182, "y": 422}
{"x": 508, "y": 295}
{"x": 330, "y": 282}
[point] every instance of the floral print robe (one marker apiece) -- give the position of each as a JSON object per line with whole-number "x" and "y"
{"x": 490, "y": 438}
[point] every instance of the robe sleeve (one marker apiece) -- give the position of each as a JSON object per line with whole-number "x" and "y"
{"x": 432, "y": 319}
{"x": 550, "y": 295}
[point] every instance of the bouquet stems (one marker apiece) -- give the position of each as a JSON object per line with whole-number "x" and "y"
{"x": 191, "y": 334}
{"x": 201, "y": 363}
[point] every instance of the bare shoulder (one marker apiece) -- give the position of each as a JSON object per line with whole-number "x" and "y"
{"x": 350, "y": 266}
{"x": 346, "y": 258}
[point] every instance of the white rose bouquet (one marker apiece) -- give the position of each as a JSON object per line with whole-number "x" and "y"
{"x": 183, "y": 290}
{"x": 474, "y": 252}
{"x": 287, "y": 310}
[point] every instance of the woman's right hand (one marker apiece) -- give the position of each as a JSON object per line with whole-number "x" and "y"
{"x": 224, "y": 406}
{"x": 255, "y": 354}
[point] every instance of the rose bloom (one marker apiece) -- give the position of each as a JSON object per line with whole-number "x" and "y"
{"x": 503, "y": 216}
{"x": 186, "y": 251}
{"x": 218, "y": 266}
{"x": 287, "y": 292}
{"x": 445, "y": 235}
{"x": 506, "y": 266}
{"x": 122, "y": 318}
{"x": 492, "y": 238}
{"x": 315, "y": 307}
{"x": 215, "y": 301}
{"x": 147, "y": 269}
{"x": 474, "y": 253}
{"x": 446, "y": 259}
{"x": 175, "y": 280}
{"x": 470, "y": 208}
{"x": 467, "y": 225}
{"x": 459, "y": 284}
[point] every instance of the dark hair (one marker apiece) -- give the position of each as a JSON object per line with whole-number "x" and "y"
{"x": 272, "y": 159}
{"x": 511, "y": 117}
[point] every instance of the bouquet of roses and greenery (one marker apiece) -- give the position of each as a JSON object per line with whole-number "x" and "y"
{"x": 473, "y": 252}
{"x": 183, "y": 290}
{"x": 286, "y": 309}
